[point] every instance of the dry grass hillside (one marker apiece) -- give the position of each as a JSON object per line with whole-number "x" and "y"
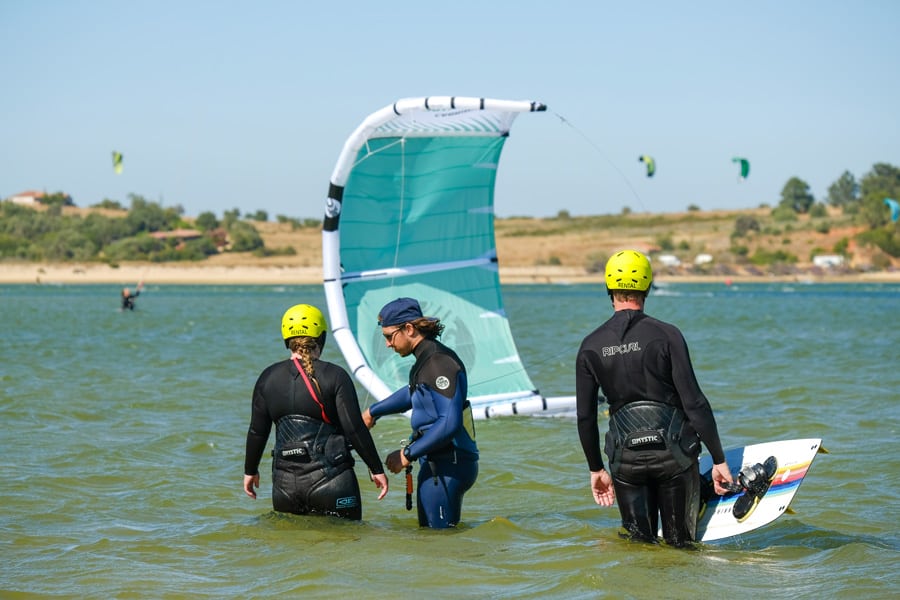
{"x": 582, "y": 243}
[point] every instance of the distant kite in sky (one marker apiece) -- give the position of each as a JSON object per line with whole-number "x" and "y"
{"x": 745, "y": 166}
{"x": 651, "y": 164}
{"x": 117, "y": 162}
{"x": 895, "y": 208}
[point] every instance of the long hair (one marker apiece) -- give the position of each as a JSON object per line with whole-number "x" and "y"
{"x": 429, "y": 327}
{"x": 304, "y": 346}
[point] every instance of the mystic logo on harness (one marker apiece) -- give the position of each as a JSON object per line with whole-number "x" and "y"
{"x": 623, "y": 349}
{"x": 644, "y": 440}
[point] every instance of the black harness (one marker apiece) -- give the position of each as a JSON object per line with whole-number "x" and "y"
{"x": 645, "y": 432}
{"x": 303, "y": 445}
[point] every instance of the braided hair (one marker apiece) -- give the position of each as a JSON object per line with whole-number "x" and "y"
{"x": 304, "y": 347}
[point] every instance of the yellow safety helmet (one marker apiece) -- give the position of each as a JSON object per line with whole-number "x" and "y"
{"x": 628, "y": 270}
{"x": 303, "y": 319}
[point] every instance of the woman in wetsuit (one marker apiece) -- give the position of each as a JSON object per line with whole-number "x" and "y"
{"x": 658, "y": 414}
{"x": 443, "y": 439}
{"x": 314, "y": 407}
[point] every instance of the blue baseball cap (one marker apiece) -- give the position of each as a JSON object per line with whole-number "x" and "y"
{"x": 399, "y": 311}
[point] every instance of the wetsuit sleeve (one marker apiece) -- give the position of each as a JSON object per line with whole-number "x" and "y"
{"x": 258, "y": 432}
{"x": 354, "y": 428}
{"x": 587, "y": 392}
{"x": 398, "y": 402}
{"x": 694, "y": 402}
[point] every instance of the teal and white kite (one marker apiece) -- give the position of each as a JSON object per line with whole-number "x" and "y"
{"x": 745, "y": 166}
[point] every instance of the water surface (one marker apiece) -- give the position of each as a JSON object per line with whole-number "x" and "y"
{"x": 123, "y": 439}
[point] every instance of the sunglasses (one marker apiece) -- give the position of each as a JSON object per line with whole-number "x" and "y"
{"x": 390, "y": 336}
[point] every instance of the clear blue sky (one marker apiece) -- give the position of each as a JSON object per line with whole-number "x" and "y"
{"x": 223, "y": 105}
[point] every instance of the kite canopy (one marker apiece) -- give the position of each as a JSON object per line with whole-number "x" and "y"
{"x": 410, "y": 213}
{"x": 745, "y": 166}
{"x": 651, "y": 164}
{"x": 895, "y": 208}
{"x": 117, "y": 162}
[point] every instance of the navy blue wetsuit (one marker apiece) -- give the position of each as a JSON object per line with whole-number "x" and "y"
{"x": 443, "y": 437}
{"x": 312, "y": 468}
{"x": 657, "y": 415}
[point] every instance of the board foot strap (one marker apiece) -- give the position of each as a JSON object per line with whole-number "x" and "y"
{"x": 755, "y": 479}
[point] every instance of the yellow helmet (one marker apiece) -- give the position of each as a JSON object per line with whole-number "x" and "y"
{"x": 628, "y": 270}
{"x": 303, "y": 319}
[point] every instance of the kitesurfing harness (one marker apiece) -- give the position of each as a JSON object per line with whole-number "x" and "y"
{"x": 304, "y": 444}
{"x": 650, "y": 432}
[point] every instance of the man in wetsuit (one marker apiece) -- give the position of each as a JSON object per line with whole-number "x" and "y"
{"x": 128, "y": 297}
{"x": 443, "y": 439}
{"x": 315, "y": 409}
{"x": 658, "y": 414}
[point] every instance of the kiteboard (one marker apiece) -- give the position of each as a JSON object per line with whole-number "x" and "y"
{"x": 775, "y": 470}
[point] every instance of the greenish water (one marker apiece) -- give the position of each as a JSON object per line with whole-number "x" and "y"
{"x": 123, "y": 438}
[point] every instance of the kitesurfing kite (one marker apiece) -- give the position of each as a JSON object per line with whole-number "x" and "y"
{"x": 410, "y": 213}
{"x": 745, "y": 166}
{"x": 117, "y": 162}
{"x": 895, "y": 208}
{"x": 651, "y": 164}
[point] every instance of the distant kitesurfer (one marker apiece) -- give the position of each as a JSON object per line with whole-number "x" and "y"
{"x": 314, "y": 407}
{"x": 443, "y": 438}
{"x": 128, "y": 296}
{"x": 658, "y": 414}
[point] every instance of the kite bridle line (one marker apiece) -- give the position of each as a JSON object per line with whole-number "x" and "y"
{"x": 599, "y": 151}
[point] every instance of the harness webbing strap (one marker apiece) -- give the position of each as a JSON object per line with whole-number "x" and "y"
{"x": 312, "y": 392}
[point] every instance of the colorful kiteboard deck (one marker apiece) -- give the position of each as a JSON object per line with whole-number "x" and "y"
{"x": 793, "y": 458}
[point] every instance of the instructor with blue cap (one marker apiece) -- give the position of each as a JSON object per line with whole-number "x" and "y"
{"x": 443, "y": 437}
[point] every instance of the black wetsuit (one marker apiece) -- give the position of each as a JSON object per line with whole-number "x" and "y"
{"x": 128, "y": 300}
{"x": 644, "y": 370}
{"x": 312, "y": 469}
{"x": 443, "y": 437}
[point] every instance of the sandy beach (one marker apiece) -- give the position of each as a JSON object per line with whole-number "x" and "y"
{"x": 194, "y": 274}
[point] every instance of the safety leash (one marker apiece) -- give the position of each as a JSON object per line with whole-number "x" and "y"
{"x": 409, "y": 487}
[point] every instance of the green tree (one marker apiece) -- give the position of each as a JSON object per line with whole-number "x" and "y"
{"x": 244, "y": 237}
{"x": 796, "y": 195}
{"x": 818, "y": 210}
{"x": 206, "y": 221}
{"x": 259, "y": 215}
{"x": 108, "y": 204}
{"x": 150, "y": 216}
{"x": 883, "y": 181}
{"x": 844, "y": 193}
{"x": 57, "y": 199}
{"x": 102, "y": 230}
{"x": 744, "y": 224}
{"x": 229, "y": 217}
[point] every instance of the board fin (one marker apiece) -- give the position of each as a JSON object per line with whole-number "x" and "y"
{"x": 755, "y": 479}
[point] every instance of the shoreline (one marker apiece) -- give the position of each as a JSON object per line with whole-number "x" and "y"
{"x": 193, "y": 274}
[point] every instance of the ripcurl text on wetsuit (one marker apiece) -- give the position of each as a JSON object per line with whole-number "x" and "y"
{"x": 643, "y": 368}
